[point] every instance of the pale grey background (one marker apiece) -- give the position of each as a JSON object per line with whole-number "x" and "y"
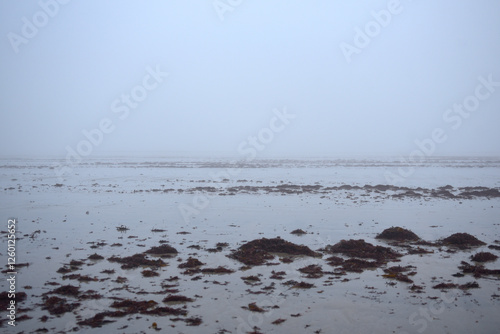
{"x": 227, "y": 76}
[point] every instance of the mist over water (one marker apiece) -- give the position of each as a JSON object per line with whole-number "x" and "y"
{"x": 173, "y": 78}
{"x": 233, "y": 166}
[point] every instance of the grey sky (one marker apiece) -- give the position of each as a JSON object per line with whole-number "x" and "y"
{"x": 226, "y": 76}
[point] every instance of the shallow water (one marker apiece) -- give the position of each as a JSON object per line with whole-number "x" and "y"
{"x": 86, "y": 205}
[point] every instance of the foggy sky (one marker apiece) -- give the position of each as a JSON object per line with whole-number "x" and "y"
{"x": 232, "y": 68}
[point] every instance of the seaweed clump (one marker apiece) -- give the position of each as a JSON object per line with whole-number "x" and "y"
{"x": 397, "y": 234}
{"x": 191, "y": 263}
{"x": 67, "y": 290}
{"x": 258, "y": 251}
{"x": 56, "y": 305}
{"x": 397, "y": 273}
{"x": 462, "y": 240}
{"x": 177, "y": 299}
{"x": 162, "y": 249}
{"x": 312, "y": 271}
{"x": 362, "y": 249}
{"x": 136, "y": 260}
{"x": 477, "y": 271}
{"x": 95, "y": 256}
{"x": 484, "y": 257}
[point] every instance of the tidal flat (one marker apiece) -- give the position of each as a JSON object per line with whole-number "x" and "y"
{"x": 137, "y": 245}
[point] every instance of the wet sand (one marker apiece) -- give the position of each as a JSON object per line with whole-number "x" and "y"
{"x": 235, "y": 267}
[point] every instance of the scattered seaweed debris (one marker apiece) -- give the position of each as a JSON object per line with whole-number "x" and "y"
{"x": 67, "y": 290}
{"x": 70, "y": 267}
{"x": 298, "y": 232}
{"x": 416, "y": 288}
{"x": 108, "y": 271}
{"x": 81, "y": 278}
{"x": 302, "y": 285}
{"x": 5, "y": 300}
{"x": 477, "y": 271}
{"x": 90, "y": 294}
{"x": 466, "y": 286}
{"x": 132, "y": 306}
{"x": 251, "y": 257}
{"x": 445, "y": 286}
{"x": 193, "y": 321}
{"x": 177, "y": 299}
{"x": 397, "y": 234}
{"x": 358, "y": 265}
{"x": 120, "y": 280}
{"x": 312, "y": 271}
{"x": 279, "y": 275}
{"x": 149, "y": 273}
{"x": 278, "y": 321}
{"x": 95, "y": 256}
{"x": 469, "y": 285}
{"x": 254, "y": 308}
{"x": 97, "y": 320}
{"x": 218, "y": 247}
{"x": 255, "y": 330}
{"x": 97, "y": 245}
{"x": 286, "y": 259}
{"x": 484, "y": 257}
{"x": 462, "y": 240}
{"x": 396, "y": 273}
{"x": 122, "y": 228}
{"x": 56, "y": 305}
{"x": 361, "y": 249}
{"x": 218, "y": 270}
{"x": 191, "y": 271}
{"x": 158, "y": 230}
{"x": 258, "y": 251}
{"x": 335, "y": 261}
{"x": 76, "y": 263}
{"x": 136, "y": 260}
{"x": 472, "y": 192}
{"x": 494, "y": 247}
{"x": 163, "y": 249}
{"x": 164, "y": 311}
{"x": 417, "y": 250}
{"x": 251, "y": 280}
